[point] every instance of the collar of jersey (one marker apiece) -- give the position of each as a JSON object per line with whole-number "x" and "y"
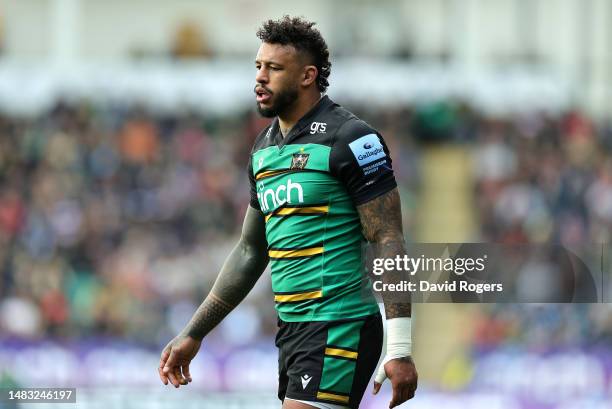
{"x": 319, "y": 107}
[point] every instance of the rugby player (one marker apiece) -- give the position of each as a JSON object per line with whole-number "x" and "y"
{"x": 321, "y": 182}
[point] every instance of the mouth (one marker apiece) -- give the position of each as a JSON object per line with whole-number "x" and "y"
{"x": 262, "y": 95}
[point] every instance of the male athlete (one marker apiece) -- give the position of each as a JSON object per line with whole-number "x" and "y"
{"x": 321, "y": 182}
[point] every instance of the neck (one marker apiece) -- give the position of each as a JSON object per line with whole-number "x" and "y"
{"x": 302, "y": 105}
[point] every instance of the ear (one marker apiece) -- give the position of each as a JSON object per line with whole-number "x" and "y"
{"x": 309, "y": 75}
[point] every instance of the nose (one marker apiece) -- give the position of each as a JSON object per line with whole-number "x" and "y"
{"x": 262, "y": 76}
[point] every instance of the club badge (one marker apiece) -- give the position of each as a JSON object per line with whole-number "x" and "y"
{"x": 299, "y": 161}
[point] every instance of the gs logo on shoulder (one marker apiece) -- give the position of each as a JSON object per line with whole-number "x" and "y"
{"x": 367, "y": 149}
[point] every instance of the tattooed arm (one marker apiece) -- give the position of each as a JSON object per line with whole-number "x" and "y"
{"x": 381, "y": 221}
{"x": 239, "y": 273}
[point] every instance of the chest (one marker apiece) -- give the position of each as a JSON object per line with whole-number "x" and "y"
{"x": 293, "y": 175}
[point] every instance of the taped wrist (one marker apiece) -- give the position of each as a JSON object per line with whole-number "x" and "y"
{"x": 399, "y": 343}
{"x": 399, "y": 337}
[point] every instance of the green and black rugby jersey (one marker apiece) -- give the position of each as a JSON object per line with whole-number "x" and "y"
{"x": 307, "y": 185}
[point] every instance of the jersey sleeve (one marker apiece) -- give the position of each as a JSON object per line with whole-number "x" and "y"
{"x": 253, "y": 186}
{"x": 360, "y": 160}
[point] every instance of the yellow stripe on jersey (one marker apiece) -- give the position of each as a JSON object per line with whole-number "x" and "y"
{"x": 310, "y": 295}
{"x": 332, "y": 396}
{"x": 268, "y": 173}
{"x": 341, "y": 353}
{"x": 293, "y": 253}
{"x": 288, "y": 211}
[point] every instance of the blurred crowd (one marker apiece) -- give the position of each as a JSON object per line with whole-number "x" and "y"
{"x": 114, "y": 220}
{"x": 542, "y": 178}
{"x": 546, "y": 179}
{"x": 110, "y": 215}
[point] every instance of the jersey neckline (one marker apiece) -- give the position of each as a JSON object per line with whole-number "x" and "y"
{"x": 280, "y": 141}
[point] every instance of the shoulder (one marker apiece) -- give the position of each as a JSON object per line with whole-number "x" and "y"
{"x": 355, "y": 139}
{"x": 353, "y": 129}
{"x": 263, "y": 140}
{"x": 350, "y": 127}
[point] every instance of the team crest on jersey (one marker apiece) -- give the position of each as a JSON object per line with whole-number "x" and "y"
{"x": 299, "y": 161}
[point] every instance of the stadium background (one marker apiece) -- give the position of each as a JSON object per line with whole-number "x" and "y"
{"x": 124, "y": 132}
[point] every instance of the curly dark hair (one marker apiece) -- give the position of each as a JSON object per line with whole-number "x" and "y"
{"x": 300, "y": 34}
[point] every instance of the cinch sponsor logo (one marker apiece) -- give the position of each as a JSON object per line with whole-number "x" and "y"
{"x": 367, "y": 149}
{"x": 271, "y": 199}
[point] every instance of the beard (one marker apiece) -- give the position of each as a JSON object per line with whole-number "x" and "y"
{"x": 283, "y": 100}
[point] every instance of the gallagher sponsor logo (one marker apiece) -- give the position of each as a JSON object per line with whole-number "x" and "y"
{"x": 367, "y": 149}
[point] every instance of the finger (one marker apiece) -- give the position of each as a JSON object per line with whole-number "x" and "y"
{"x": 412, "y": 389}
{"x": 409, "y": 390}
{"x": 396, "y": 398}
{"x": 381, "y": 375}
{"x": 377, "y": 386}
{"x": 186, "y": 372}
{"x": 179, "y": 375}
{"x": 173, "y": 379}
{"x": 184, "y": 379}
{"x": 162, "y": 363}
{"x": 170, "y": 362}
{"x": 164, "y": 357}
{"x": 405, "y": 394}
{"x": 163, "y": 377}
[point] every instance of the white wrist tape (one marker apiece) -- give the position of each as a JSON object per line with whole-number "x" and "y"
{"x": 399, "y": 343}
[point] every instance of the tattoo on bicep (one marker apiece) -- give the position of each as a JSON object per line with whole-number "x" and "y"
{"x": 210, "y": 313}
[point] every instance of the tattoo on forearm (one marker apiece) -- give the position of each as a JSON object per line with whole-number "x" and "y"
{"x": 239, "y": 273}
{"x": 391, "y": 249}
{"x": 381, "y": 220}
{"x": 209, "y": 314}
{"x": 396, "y": 310}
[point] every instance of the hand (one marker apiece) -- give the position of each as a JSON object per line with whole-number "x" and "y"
{"x": 403, "y": 376}
{"x": 175, "y": 359}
